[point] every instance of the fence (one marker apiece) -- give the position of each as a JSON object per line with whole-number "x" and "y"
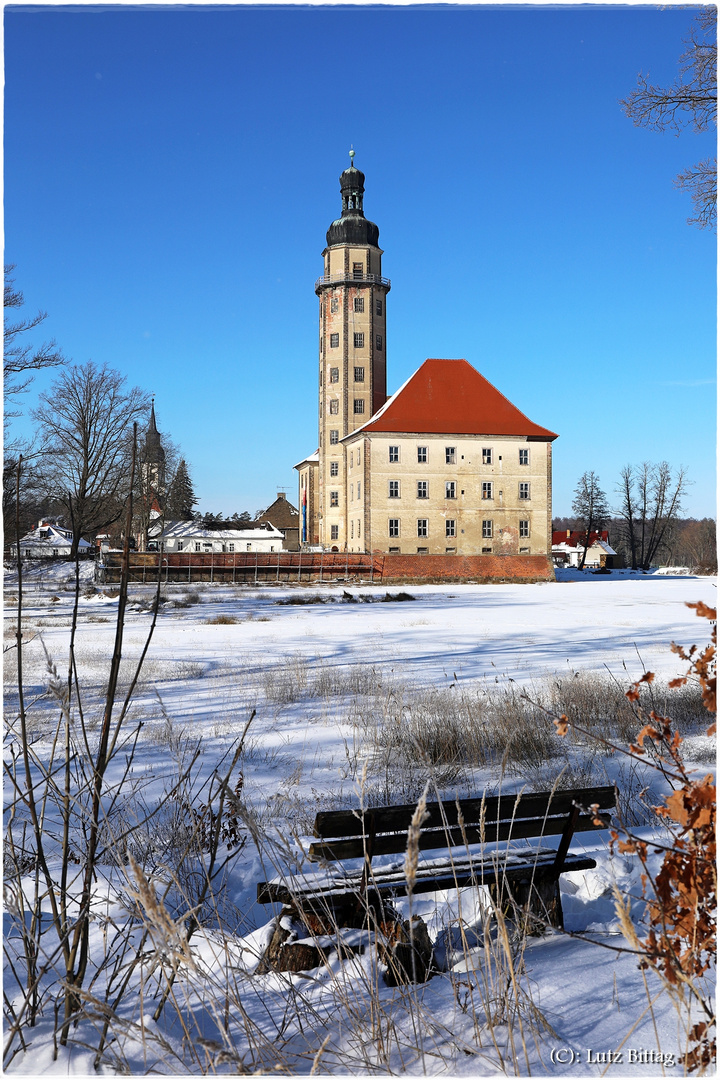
{"x": 241, "y": 567}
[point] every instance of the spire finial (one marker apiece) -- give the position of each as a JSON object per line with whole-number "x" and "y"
{"x": 352, "y": 155}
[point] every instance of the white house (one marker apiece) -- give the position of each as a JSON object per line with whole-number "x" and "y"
{"x": 191, "y": 536}
{"x": 48, "y": 541}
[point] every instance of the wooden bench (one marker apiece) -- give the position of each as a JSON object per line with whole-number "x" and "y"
{"x": 518, "y": 874}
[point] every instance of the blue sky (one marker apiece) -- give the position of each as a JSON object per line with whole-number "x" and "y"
{"x": 170, "y": 175}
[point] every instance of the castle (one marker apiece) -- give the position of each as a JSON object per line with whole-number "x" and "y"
{"x": 446, "y": 466}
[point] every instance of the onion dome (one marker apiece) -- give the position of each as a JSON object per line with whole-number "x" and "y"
{"x": 352, "y": 227}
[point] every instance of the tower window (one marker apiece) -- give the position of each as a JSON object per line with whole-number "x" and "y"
{"x": 487, "y": 455}
{"x": 352, "y": 533}
{"x": 524, "y": 491}
{"x": 334, "y": 468}
{"x": 422, "y": 526}
{"x": 334, "y": 374}
{"x": 358, "y": 269}
{"x": 393, "y": 489}
{"x": 487, "y": 529}
{"x": 449, "y": 455}
{"x": 487, "y": 490}
{"x": 422, "y": 455}
{"x": 450, "y": 489}
{"x": 358, "y": 495}
{"x": 334, "y": 305}
{"x": 378, "y": 307}
{"x": 378, "y": 341}
{"x": 394, "y": 527}
{"x": 393, "y": 454}
{"x": 422, "y": 489}
{"x": 334, "y": 438}
{"x": 334, "y": 341}
{"x": 524, "y": 457}
{"x": 359, "y": 303}
{"x": 334, "y": 407}
{"x": 334, "y": 532}
{"x": 359, "y": 374}
{"x": 334, "y": 498}
{"x": 524, "y": 528}
{"x": 450, "y": 527}
{"x": 358, "y": 405}
{"x": 359, "y": 341}
{"x": 358, "y": 453}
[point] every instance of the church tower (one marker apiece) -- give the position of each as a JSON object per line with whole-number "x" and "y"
{"x": 352, "y": 375}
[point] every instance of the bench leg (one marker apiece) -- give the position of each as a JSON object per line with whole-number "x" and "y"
{"x": 538, "y": 901}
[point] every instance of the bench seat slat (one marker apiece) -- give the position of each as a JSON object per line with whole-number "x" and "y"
{"x": 490, "y": 833}
{"x": 432, "y": 877}
{"x": 348, "y": 823}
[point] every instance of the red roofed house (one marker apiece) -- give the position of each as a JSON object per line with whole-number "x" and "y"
{"x": 568, "y": 546}
{"x": 445, "y": 466}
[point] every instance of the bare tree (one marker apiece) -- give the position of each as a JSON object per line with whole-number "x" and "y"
{"x": 691, "y": 101}
{"x": 86, "y": 421}
{"x": 650, "y": 503}
{"x": 21, "y": 358}
{"x": 591, "y": 506}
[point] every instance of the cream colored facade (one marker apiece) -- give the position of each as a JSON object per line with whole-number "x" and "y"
{"x": 371, "y": 490}
{"x": 448, "y": 494}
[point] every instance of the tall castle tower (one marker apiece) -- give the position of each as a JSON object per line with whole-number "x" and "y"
{"x": 352, "y": 375}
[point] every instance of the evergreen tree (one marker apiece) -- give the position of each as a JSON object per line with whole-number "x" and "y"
{"x": 591, "y": 506}
{"x": 181, "y": 495}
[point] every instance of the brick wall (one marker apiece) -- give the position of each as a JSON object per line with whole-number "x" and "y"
{"x": 468, "y": 567}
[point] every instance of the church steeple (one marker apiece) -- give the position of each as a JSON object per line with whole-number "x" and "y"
{"x": 154, "y": 453}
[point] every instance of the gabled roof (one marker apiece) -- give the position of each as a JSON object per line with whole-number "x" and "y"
{"x": 282, "y": 514}
{"x": 451, "y": 397}
{"x": 576, "y": 538}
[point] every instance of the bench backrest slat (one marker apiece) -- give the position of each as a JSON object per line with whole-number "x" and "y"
{"x": 484, "y": 821}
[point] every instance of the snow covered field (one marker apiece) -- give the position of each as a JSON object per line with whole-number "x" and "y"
{"x": 327, "y": 678}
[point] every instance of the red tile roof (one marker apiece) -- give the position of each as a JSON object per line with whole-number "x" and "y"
{"x": 577, "y": 539}
{"x": 451, "y": 397}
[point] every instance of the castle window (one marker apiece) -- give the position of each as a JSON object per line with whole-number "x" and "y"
{"x": 422, "y": 455}
{"x": 359, "y": 341}
{"x": 334, "y": 341}
{"x": 393, "y": 489}
{"x": 334, "y": 407}
{"x": 524, "y": 491}
{"x": 231, "y": 547}
{"x": 422, "y": 489}
{"x": 334, "y": 498}
{"x": 358, "y": 269}
{"x": 487, "y": 551}
{"x": 334, "y": 437}
{"x": 359, "y": 303}
{"x": 487, "y": 529}
{"x": 487, "y": 455}
{"x": 334, "y": 305}
{"x": 378, "y": 341}
{"x": 393, "y": 454}
{"x": 378, "y": 307}
{"x": 358, "y": 489}
{"x": 198, "y": 546}
{"x": 450, "y": 489}
{"x": 358, "y": 405}
{"x": 334, "y": 374}
{"x": 358, "y": 527}
{"x": 422, "y": 526}
{"x": 524, "y": 528}
{"x": 394, "y": 550}
{"x": 525, "y": 551}
{"x": 394, "y": 527}
{"x": 449, "y": 527}
{"x": 334, "y": 468}
{"x": 352, "y": 531}
{"x": 358, "y": 455}
{"x": 359, "y": 374}
{"x": 334, "y": 532}
{"x": 487, "y": 490}
{"x": 449, "y": 455}
{"x": 524, "y": 457}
